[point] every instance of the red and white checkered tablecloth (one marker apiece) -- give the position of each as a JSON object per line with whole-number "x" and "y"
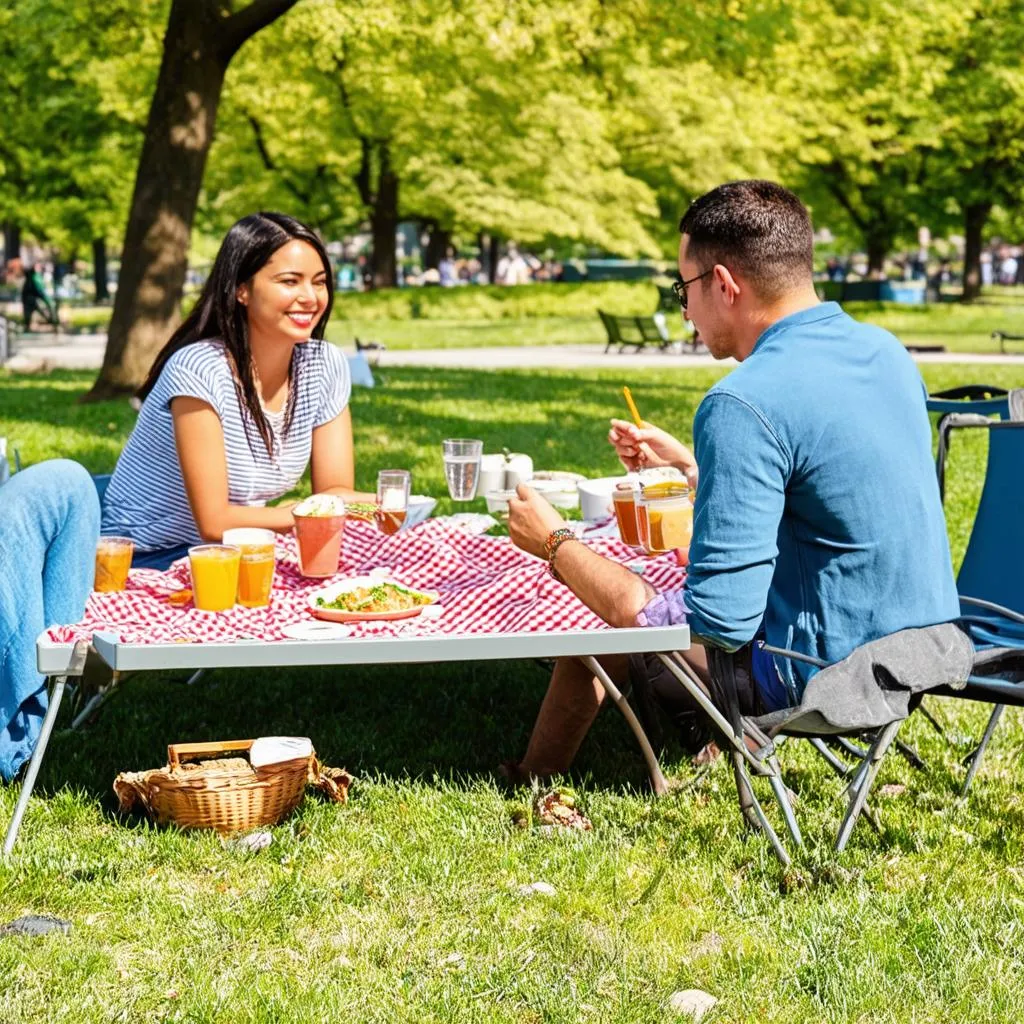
{"x": 487, "y": 585}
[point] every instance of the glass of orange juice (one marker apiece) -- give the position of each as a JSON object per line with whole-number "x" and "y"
{"x": 664, "y": 517}
{"x": 113, "y": 560}
{"x": 256, "y": 566}
{"x": 392, "y": 499}
{"x": 214, "y": 576}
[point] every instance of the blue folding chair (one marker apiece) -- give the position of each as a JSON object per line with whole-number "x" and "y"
{"x": 966, "y": 406}
{"x": 991, "y": 579}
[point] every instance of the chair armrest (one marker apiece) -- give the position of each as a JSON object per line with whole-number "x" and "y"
{"x": 781, "y": 652}
{"x": 991, "y": 606}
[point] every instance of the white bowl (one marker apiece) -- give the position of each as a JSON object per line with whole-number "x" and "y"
{"x": 497, "y": 502}
{"x": 419, "y": 509}
{"x": 559, "y": 488}
{"x": 596, "y": 495}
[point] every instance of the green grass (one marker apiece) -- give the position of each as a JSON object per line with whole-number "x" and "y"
{"x": 405, "y": 905}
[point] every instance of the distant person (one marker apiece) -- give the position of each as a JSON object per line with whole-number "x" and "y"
{"x": 447, "y": 271}
{"x": 512, "y": 267}
{"x": 1008, "y": 269}
{"x": 986, "y": 269}
{"x": 244, "y": 397}
{"x": 34, "y": 298}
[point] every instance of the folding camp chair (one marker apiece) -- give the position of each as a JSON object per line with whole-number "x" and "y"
{"x": 991, "y": 579}
{"x": 873, "y": 690}
{"x": 969, "y": 405}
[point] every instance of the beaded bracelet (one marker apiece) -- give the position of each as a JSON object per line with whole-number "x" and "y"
{"x": 555, "y": 540}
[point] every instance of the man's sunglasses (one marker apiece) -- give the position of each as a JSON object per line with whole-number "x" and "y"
{"x": 679, "y": 287}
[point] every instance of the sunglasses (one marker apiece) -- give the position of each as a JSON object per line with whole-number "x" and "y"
{"x": 679, "y": 287}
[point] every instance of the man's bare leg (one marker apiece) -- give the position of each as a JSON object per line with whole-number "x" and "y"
{"x": 570, "y": 706}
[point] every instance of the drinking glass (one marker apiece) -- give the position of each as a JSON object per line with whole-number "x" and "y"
{"x": 113, "y": 560}
{"x": 392, "y": 499}
{"x": 624, "y": 503}
{"x": 214, "y": 576}
{"x": 256, "y": 569}
{"x": 664, "y": 517}
{"x": 462, "y": 466}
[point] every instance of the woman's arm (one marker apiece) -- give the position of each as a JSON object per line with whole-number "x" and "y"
{"x": 200, "y": 440}
{"x": 333, "y": 461}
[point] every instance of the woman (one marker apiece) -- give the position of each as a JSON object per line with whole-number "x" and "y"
{"x": 239, "y": 400}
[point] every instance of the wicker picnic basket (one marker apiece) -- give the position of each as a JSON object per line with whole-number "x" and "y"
{"x": 226, "y": 794}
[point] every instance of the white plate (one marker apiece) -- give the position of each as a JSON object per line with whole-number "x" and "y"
{"x": 373, "y": 579}
{"x": 316, "y": 630}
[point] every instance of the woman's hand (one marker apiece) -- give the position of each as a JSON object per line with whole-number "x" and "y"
{"x": 650, "y": 446}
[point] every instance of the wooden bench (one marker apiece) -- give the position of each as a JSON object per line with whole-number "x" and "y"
{"x": 638, "y": 331}
{"x": 1003, "y": 337}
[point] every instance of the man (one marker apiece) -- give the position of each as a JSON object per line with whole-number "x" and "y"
{"x": 817, "y": 524}
{"x": 34, "y": 297}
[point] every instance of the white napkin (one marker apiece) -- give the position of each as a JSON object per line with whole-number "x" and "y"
{"x": 274, "y": 749}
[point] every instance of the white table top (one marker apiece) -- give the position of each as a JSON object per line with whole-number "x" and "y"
{"x": 53, "y": 658}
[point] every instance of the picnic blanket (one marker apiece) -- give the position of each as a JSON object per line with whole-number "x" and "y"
{"x": 487, "y": 585}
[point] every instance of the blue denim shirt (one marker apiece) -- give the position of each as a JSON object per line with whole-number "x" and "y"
{"x": 817, "y": 516}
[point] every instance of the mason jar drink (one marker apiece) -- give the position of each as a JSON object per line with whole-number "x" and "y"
{"x": 624, "y": 504}
{"x": 664, "y": 517}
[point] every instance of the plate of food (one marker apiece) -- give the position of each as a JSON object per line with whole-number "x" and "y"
{"x": 369, "y": 599}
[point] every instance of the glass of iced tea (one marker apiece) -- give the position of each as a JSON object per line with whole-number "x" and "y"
{"x": 664, "y": 517}
{"x": 392, "y": 499}
{"x": 214, "y": 576}
{"x": 256, "y": 566}
{"x": 113, "y": 560}
{"x": 624, "y": 503}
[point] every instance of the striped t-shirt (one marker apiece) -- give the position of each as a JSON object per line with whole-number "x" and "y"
{"x": 146, "y": 499}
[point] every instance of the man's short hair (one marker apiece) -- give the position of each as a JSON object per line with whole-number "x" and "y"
{"x": 758, "y": 228}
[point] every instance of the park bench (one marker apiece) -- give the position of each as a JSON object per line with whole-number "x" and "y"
{"x": 1003, "y": 337}
{"x": 637, "y": 331}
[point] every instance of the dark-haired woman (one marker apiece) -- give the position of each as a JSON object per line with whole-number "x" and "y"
{"x": 240, "y": 400}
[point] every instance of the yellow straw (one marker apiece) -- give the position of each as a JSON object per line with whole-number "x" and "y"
{"x": 632, "y": 407}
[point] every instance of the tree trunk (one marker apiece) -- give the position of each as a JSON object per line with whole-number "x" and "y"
{"x": 437, "y": 246}
{"x": 12, "y": 241}
{"x": 384, "y": 222}
{"x": 878, "y": 246}
{"x": 492, "y": 259}
{"x": 200, "y": 41}
{"x": 99, "y": 265}
{"x": 975, "y": 216}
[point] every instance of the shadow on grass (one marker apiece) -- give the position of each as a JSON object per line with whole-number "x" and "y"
{"x": 456, "y": 722}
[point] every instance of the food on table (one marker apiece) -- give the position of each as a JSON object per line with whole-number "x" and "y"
{"x": 320, "y": 505}
{"x": 214, "y": 576}
{"x": 113, "y": 560}
{"x": 381, "y": 597}
{"x": 180, "y": 597}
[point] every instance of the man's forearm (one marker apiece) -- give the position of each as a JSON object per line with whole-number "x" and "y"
{"x": 607, "y": 588}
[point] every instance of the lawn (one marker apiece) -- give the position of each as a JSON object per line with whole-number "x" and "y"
{"x": 406, "y": 904}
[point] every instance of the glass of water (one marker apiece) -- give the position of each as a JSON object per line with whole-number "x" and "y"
{"x": 462, "y": 466}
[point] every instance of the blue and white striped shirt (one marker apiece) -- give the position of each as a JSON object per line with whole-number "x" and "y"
{"x": 146, "y": 499}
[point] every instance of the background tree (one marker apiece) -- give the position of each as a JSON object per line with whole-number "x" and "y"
{"x": 200, "y": 41}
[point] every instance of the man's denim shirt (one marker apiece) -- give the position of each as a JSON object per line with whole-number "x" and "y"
{"x": 817, "y": 516}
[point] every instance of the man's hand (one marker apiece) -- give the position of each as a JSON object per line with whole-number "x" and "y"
{"x": 531, "y": 520}
{"x": 649, "y": 446}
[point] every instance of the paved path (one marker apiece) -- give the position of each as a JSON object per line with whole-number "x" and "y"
{"x": 85, "y": 352}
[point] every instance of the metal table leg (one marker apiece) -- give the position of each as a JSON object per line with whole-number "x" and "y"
{"x": 75, "y": 668}
{"x": 658, "y": 782}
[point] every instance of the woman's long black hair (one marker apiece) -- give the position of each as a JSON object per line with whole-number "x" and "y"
{"x": 246, "y": 248}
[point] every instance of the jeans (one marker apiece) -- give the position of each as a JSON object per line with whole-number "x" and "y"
{"x": 49, "y": 524}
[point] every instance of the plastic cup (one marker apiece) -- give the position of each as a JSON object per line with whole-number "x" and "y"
{"x": 319, "y": 543}
{"x": 256, "y": 567}
{"x": 214, "y": 576}
{"x": 664, "y": 517}
{"x": 392, "y": 499}
{"x": 624, "y": 504}
{"x": 462, "y": 457}
{"x": 113, "y": 560}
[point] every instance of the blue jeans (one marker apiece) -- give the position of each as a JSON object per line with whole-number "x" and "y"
{"x": 49, "y": 523}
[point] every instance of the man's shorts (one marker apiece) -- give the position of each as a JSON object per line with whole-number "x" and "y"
{"x": 657, "y": 695}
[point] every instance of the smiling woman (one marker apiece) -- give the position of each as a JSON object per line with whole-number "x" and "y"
{"x": 240, "y": 399}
